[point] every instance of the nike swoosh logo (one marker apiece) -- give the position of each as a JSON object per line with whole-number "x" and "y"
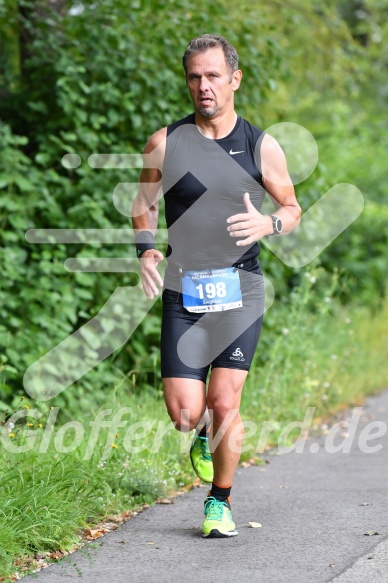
{"x": 239, "y": 152}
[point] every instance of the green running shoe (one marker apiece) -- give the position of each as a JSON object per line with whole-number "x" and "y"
{"x": 201, "y": 459}
{"x": 218, "y": 522}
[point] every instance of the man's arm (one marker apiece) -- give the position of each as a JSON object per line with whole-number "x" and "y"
{"x": 253, "y": 225}
{"x": 145, "y": 209}
{"x": 278, "y": 184}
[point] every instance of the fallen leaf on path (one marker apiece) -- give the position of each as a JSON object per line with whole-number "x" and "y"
{"x": 165, "y": 501}
{"x": 116, "y": 517}
{"x": 93, "y": 534}
{"x": 57, "y": 555}
{"x": 255, "y": 524}
{"x": 371, "y": 533}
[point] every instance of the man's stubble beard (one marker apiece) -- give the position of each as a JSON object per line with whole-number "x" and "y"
{"x": 208, "y": 112}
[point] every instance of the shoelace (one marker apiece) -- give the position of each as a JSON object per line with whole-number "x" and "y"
{"x": 214, "y": 508}
{"x": 205, "y": 453}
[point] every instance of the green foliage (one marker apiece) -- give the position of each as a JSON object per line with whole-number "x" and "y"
{"x": 318, "y": 353}
{"x": 363, "y": 249}
{"x": 41, "y": 303}
{"x": 90, "y": 79}
{"x": 98, "y": 89}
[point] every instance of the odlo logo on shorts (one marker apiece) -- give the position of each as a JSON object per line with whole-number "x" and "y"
{"x": 237, "y": 355}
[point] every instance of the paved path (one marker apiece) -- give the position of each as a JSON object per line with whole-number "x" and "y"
{"x": 314, "y": 516}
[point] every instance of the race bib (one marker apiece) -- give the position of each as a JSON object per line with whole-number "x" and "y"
{"x": 213, "y": 290}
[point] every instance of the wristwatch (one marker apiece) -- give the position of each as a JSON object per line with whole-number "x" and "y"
{"x": 277, "y": 225}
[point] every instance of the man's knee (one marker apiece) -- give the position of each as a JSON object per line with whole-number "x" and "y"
{"x": 223, "y": 407}
{"x": 224, "y": 394}
{"x": 184, "y": 419}
{"x": 185, "y": 401}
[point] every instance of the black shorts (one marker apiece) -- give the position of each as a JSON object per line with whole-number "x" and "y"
{"x": 192, "y": 342}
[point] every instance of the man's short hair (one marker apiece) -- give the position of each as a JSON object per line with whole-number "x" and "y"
{"x": 200, "y": 44}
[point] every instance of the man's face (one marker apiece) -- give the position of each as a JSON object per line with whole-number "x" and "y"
{"x": 210, "y": 83}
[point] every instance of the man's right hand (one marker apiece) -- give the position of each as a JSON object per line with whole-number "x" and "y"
{"x": 150, "y": 276}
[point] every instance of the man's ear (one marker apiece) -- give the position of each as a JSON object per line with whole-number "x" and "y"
{"x": 236, "y": 79}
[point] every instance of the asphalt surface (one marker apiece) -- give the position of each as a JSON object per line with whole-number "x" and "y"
{"x": 315, "y": 510}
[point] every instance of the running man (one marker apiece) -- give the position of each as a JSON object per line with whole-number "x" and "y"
{"x": 214, "y": 169}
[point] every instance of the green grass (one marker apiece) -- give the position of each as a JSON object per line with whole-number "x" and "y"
{"x": 313, "y": 353}
{"x": 324, "y": 355}
{"x": 47, "y": 498}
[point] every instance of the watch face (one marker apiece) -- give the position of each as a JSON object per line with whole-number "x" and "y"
{"x": 277, "y": 225}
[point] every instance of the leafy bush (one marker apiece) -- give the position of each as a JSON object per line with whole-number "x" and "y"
{"x": 98, "y": 88}
{"x": 90, "y": 79}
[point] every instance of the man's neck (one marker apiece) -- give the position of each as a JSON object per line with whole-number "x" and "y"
{"x": 217, "y": 127}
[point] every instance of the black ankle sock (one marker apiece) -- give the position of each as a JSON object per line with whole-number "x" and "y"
{"x": 220, "y": 493}
{"x": 203, "y": 432}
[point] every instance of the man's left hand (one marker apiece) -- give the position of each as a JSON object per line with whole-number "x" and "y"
{"x": 252, "y": 224}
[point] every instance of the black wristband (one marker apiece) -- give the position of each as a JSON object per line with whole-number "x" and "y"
{"x": 144, "y": 241}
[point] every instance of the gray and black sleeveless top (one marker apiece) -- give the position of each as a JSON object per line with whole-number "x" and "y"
{"x": 204, "y": 181}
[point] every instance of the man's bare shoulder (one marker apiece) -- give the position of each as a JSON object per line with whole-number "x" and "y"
{"x": 274, "y": 163}
{"x": 157, "y": 140}
{"x": 270, "y": 147}
{"x": 155, "y": 150}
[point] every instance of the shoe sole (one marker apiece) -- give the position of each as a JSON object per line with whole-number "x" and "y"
{"x": 217, "y": 534}
{"x": 195, "y": 471}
